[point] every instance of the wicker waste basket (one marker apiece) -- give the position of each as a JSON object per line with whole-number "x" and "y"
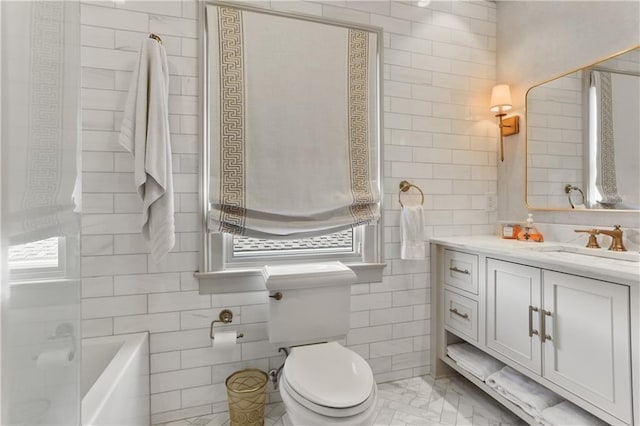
{"x": 246, "y": 391}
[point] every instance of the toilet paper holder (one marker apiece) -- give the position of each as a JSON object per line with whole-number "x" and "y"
{"x": 225, "y": 317}
{"x": 63, "y": 331}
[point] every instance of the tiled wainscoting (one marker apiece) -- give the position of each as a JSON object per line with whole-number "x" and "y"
{"x": 439, "y": 67}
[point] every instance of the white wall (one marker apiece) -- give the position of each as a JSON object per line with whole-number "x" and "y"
{"x": 439, "y": 69}
{"x": 536, "y": 42}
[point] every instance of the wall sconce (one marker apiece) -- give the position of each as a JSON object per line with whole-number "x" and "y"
{"x": 501, "y": 102}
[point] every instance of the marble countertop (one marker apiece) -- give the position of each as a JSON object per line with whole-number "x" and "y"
{"x": 561, "y": 257}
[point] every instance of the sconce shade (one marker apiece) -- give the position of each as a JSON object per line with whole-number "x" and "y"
{"x": 500, "y": 98}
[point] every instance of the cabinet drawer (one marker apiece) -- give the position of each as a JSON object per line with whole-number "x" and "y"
{"x": 461, "y": 314}
{"x": 461, "y": 270}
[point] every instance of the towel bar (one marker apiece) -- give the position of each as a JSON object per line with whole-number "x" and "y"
{"x": 404, "y": 187}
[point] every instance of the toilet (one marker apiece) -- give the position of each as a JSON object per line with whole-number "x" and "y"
{"x": 322, "y": 382}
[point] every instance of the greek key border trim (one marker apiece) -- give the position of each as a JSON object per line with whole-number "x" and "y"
{"x": 358, "y": 99}
{"x": 607, "y": 145}
{"x": 232, "y": 126}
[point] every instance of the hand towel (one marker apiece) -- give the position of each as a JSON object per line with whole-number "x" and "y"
{"x": 566, "y": 414}
{"x": 145, "y": 134}
{"x": 532, "y": 397}
{"x": 412, "y": 233}
{"x": 474, "y": 360}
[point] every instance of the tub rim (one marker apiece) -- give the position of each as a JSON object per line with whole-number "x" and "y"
{"x": 98, "y": 394}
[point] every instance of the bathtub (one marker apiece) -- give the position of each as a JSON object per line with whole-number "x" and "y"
{"x": 115, "y": 380}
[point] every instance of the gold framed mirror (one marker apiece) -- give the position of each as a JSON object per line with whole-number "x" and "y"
{"x": 583, "y": 138}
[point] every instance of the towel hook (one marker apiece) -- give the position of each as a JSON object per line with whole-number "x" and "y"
{"x": 404, "y": 187}
{"x": 155, "y": 37}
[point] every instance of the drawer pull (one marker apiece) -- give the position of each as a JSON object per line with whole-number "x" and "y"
{"x": 455, "y": 311}
{"x": 532, "y": 309}
{"x": 456, "y": 269}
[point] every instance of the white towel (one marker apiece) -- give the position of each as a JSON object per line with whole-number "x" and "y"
{"x": 145, "y": 134}
{"x": 565, "y": 414}
{"x": 474, "y": 360}
{"x": 412, "y": 233}
{"x": 532, "y": 397}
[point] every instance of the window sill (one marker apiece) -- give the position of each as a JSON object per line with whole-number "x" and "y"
{"x": 242, "y": 280}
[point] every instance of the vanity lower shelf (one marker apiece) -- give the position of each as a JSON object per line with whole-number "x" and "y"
{"x": 489, "y": 391}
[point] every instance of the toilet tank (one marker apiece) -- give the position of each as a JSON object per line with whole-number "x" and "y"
{"x": 315, "y": 304}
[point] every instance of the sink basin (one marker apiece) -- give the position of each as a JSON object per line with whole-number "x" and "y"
{"x": 627, "y": 256}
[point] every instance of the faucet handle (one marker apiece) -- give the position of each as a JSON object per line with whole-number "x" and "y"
{"x": 593, "y": 241}
{"x": 617, "y": 243}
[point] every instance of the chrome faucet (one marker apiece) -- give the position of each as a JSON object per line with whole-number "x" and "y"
{"x": 615, "y": 234}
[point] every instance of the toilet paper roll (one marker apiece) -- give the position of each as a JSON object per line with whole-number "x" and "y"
{"x": 57, "y": 358}
{"x": 224, "y": 345}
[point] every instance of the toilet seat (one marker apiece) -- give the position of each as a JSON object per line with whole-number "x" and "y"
{"x": 299, "y": 415}
{"x": 327, "y": 383}
{"x": 329, "y": 411}
{"x": 328, "y": 375}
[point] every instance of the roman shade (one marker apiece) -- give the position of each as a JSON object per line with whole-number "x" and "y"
{"x": 292, "y": 125}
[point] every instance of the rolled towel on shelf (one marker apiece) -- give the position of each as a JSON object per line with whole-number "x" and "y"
{"x": 474, "y": 360}
{"x": 532, "y": 397}
{"x": 568, "y": 414}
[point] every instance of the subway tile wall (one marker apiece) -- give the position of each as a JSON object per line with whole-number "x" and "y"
{"x": 439, "y": 67}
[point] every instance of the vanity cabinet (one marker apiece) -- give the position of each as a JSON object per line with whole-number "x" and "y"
{"x": 571, "y": 330}
{"x": 571, "y": 333}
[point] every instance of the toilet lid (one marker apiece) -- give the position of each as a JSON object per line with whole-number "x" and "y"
{"x": 286, "y": 392}
{"x": 329, "y": 374}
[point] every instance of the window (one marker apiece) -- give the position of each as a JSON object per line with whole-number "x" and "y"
{"x": 37, "y": 259}
{"x": 292, "y": 143}
{"x": 345, "y": 246}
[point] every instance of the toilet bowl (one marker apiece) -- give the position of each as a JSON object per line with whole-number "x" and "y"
{"x": 327, "y": 383}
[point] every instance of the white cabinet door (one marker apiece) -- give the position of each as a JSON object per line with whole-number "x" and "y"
{"x": 513, "y": 308}
{"x": 588, "y": 353}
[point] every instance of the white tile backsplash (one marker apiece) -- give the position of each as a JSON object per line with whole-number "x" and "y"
{"x": 100, "y": 307}
{"x": 178, "y": 340}
{"x": 180, "y": 379}
{"x": 154, "y": 323}
{"x": 176, "y": 302}
{"x": 165, "y": 401}
{"x": 165, "y": 361}
{"x": 439, "y": 69}
{"x": 98, "y": 16}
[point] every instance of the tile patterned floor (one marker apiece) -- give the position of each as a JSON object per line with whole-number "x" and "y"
{"x": 417, "y": 401}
